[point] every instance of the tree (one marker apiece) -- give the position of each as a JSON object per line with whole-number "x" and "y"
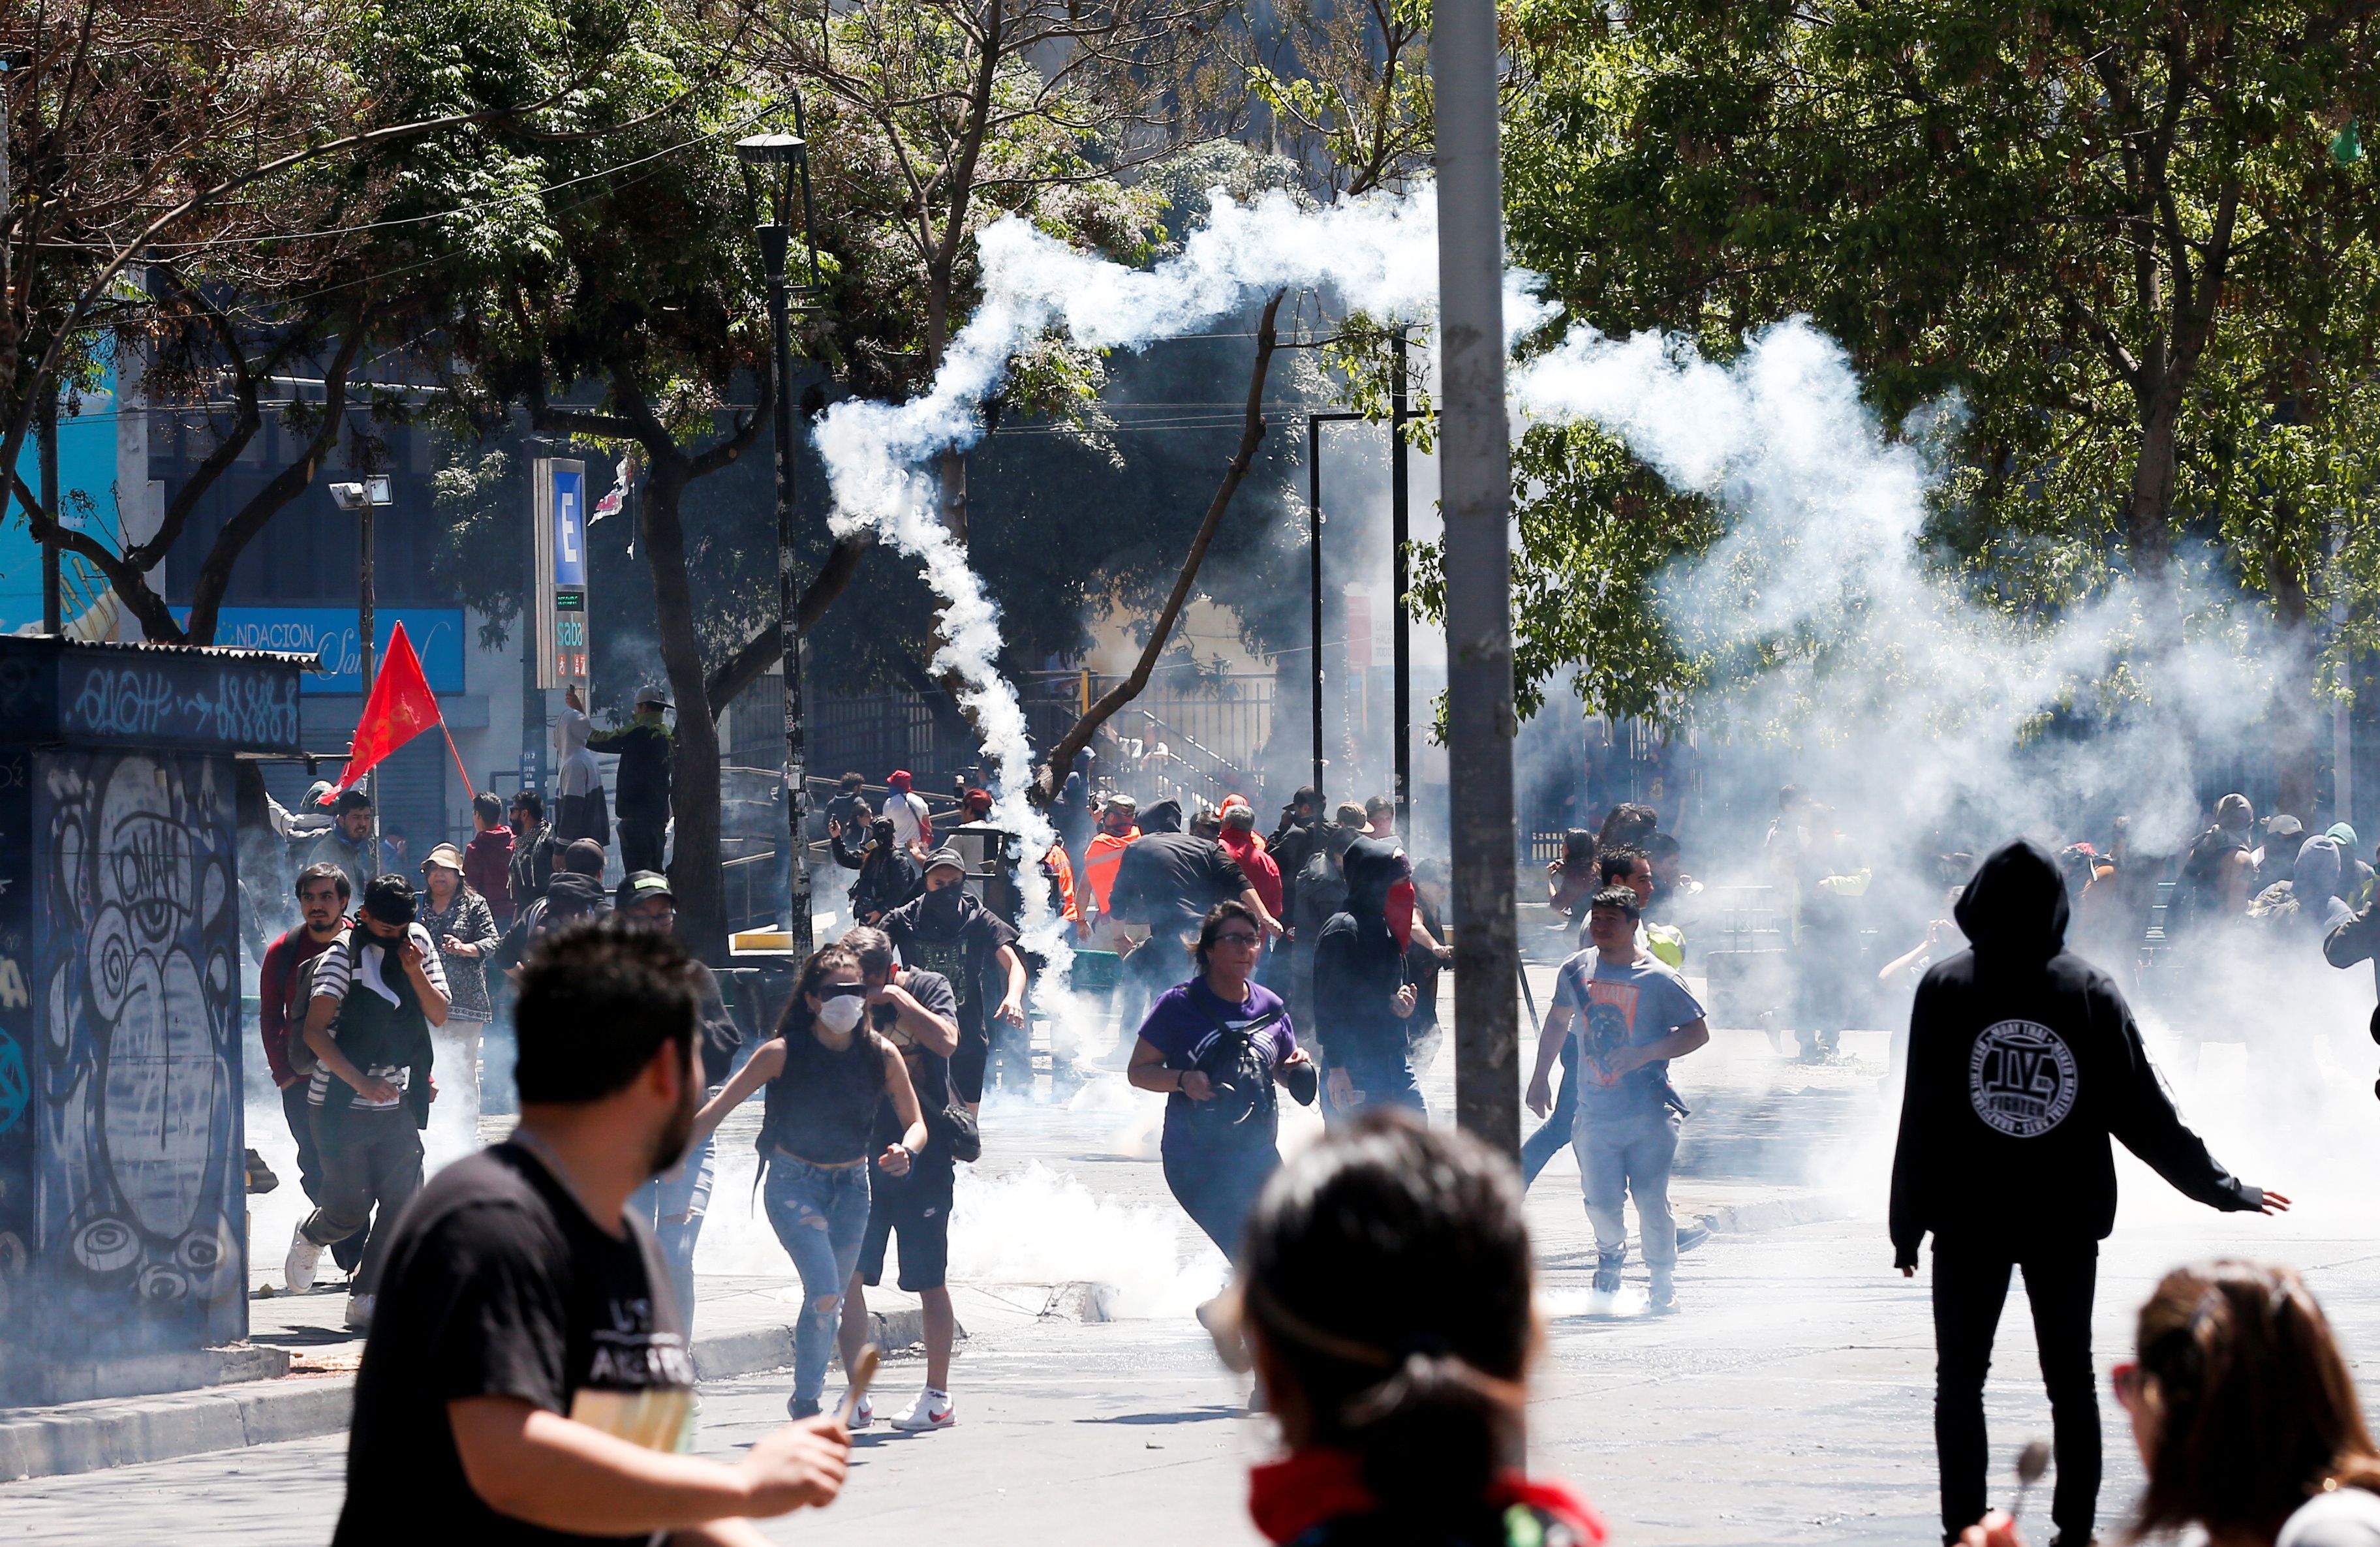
{"x": 2074, "y": 218}
{"x": 1347, "y": 86}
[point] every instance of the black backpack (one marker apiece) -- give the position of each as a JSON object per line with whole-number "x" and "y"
{"x": 1244, "y": 1106}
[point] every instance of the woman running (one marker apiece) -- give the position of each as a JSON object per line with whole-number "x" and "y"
{"x": 824, "y": 1073}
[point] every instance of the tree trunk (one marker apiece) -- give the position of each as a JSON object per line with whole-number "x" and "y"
{"x": 2148, "y": 509}
{"x": 694, "y": 779}
{"x": 2296, "y": 747}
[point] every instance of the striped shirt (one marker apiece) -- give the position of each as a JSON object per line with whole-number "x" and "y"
{"x": 335, "y": 975}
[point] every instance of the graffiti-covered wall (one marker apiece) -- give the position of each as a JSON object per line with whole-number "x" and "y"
{"x": 136, "y": 1098}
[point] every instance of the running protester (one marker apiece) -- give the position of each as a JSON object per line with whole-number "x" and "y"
{"x": 825, "y": 1074}
{"x": 2024, "y": 1062}
{"x": 949, "y": 931}
{"x": 1619, "y": 866}
{"x": 1633, "y": 1014}
{"x": 916, "y": 1011}
{"x": 1215, "y": 1047}
{"x": 527, "y": 1379}
{"x": 1362, "y": 997}
{"x": 369, "y": 1028}
{"x": 1384, "y": 1299}
{"x": 285, "y": 994}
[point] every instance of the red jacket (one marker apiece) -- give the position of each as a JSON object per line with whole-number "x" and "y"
{"x": 1262, "y": 872}
{"x": 488, "y": 867}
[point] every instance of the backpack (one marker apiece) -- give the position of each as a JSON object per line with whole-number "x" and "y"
{"x": 2197, "y": 892}
{"x": 1244, "y": 1104}
{"x": 299, "y": 999}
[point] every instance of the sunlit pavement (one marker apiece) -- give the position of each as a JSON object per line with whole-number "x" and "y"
{"x": 1790, "y": 1401}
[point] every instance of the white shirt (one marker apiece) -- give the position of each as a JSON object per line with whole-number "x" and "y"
{"x": 907, "y": 815}
{"x": 335, "y": 977}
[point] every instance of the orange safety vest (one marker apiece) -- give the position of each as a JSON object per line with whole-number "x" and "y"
{"x": 1100, "y": 858}
{"x": 1064, "y": 878}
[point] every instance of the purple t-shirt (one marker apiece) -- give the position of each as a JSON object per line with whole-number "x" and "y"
{"x": 1181, "y": 1025}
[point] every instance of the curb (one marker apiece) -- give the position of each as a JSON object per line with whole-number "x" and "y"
{"x": 1775, "y": 1214}
{"x": 94, "y": 1436}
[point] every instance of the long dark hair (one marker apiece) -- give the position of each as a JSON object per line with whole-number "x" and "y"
{"x": 796, "y": 1016}
{"x": 2254, "y": 1406}
{"x": 1212, "y": 924}
{"x": 1387, "y": 1273}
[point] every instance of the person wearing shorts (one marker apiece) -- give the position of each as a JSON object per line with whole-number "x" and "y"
{"x": 917, "y": 1012}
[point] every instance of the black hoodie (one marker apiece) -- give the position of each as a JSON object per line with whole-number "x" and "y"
{"x": 2023, "y": 1061}
{"x": 1359, "y": 966}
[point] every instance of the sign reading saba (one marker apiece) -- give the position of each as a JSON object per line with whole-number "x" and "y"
{"x": 122, "y": 1181}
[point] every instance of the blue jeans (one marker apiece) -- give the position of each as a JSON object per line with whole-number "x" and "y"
{"x": 674, "y": 1204}
{"x": 821, "y": 1216}
{"x": 1625, "y": 1157}
{"x": 1547, "y": 1140}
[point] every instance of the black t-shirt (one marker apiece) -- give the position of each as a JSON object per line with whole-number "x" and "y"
{"x": 959, "y": 946}
{"x": 1167, "y": 881}
{"x": 928, "y": 1072}
{"x": 498, "y": 1285}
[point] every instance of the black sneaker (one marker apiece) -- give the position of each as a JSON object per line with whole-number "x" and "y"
{"x": 260, "y": 1178}
{"x": 1692, "y": 1236}
{"x": 798, "y": 1410}
{"x": 1607, "y": 1274}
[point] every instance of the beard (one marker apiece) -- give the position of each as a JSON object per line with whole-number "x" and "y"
{"x": 669, "y": 1144}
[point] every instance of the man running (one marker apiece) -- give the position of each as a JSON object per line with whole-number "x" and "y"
{"x": 285, "y": 995}
{"x": 949, "y": 931}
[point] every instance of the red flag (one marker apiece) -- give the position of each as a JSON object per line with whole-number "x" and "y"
{"x": 401, "y": 706}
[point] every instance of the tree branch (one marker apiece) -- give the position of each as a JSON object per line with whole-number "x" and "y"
{"x": 1252, "y": 433}
{"x": 766, "y": 646}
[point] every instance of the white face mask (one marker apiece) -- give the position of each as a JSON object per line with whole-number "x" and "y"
{"x": 842, "y": 1014}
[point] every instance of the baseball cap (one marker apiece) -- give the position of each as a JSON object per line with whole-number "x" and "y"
{"x": 1121, "y": 802}
{"x": 940, "y": 857}
{"x": 638, "y": 885}
{"x": 897, "y": 779}
{"x": 653, "y": 693}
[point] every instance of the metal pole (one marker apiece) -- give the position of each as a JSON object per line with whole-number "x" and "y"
{"x": 52, "y": 621}
{"x": 364, "y": 633}
{"x": 1401, "y": 651}
{"x": 1314, "y": 566}
{"x": 1475, "y": 476}
{"x": 773, "y": 241}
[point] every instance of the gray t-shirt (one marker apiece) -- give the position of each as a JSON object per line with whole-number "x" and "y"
{"x": 2343, "y": 1517}
{"x": 1622, "y": 1007}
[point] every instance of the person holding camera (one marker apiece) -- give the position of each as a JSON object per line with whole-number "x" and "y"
{"x": 1215, "y": 1047}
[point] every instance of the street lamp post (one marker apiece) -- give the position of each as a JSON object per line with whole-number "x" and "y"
{"x": 363, "y": 498}
{"x": 783, "y": 158}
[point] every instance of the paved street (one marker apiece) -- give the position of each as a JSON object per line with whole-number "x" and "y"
{"x": 1791, "y": 1402}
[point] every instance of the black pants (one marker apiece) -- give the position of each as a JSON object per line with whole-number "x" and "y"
{"x": 972, "y": 1053}
{"x": 1971, "y": 1285}
{"x": 1218, "y": 1187}
{"x": 641, "y": 843}
{"x": 347, "y": 1253}
{"x": 369, "y": 1157}
{"x": 1547, "y": 1140}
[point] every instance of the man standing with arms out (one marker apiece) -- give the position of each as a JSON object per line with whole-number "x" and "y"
{"x": 1361, "y": 996}
{"x": 912, "y": 828}
{"x": 949, "y": 932}
{"x": 645, "y": 749}
{"x": 349, "y": 843}
{"x": 534, "y": 851}
{"x": 283, "y": 996}
{"x": 2024, "y": 1062}
{"x": 916, "y": 1011}
{"x": 370, "y": 1092}
{"x": 528, "y": 1378}
{"x": 487, "y": 858}
{"x": 1633, "y": 1015}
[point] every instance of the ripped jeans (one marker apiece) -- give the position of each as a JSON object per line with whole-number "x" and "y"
{"x": 820, "y": 1215}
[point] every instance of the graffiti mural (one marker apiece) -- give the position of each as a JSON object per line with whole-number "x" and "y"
{"x": 137, "y": 1080}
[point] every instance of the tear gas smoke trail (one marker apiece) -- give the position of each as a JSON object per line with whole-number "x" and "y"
{"x": 1377, "y": 254}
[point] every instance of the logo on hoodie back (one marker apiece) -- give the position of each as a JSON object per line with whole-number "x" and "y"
{"x": 2022, "y": 1078}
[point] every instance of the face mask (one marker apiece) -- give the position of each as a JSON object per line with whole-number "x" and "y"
{"x": 841, "y": 1014}
{"x": 943, "y": 904}
{"x": 1400, "y": 911}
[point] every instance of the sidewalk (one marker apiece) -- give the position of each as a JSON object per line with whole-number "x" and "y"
{"x": 742, "y": 1326}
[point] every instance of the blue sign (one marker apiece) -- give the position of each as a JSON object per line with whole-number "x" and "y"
{"x": 569, "y": 529}
{"x": 330, "y": 635}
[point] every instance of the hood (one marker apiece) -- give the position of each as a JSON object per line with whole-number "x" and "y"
{"x": 494, "y": 837}
{"x": 571, "y": 886}
{"x": 1242, "y": 844}
{"x": 571, "y": 728}
{"x": 2016, "y": 903}
{"x": 2319, "y": 869}
{"x": 1373, "y": 865}
{"x": 1164, "y": 816}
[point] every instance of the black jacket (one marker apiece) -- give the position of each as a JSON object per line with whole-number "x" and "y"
{"x": 1290, "y": 845}
{"x": 2024, "y": 1062}
{"x": 533, "y": 864}
{"x": 641, "y": 787}
{"x": 569, "y": 899}
{"x": 1359, "y": 966}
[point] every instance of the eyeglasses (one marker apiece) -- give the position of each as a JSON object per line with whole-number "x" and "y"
{"x": 1237, "y": 938}
{"x": 2126, "y": 1379}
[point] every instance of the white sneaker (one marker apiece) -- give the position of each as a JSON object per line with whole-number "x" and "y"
{"x": 359, "y": 1313}
{"x": 297, "y": 1268}
{"x": 863, "y": 1416}
{"x": 932, "y": 1410}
